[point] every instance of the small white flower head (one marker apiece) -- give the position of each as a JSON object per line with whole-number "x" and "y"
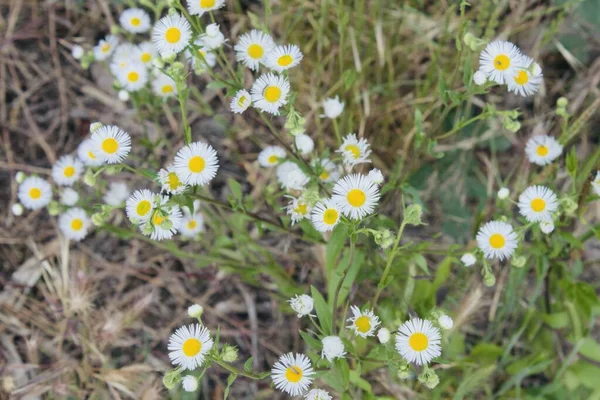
{"x": 318, "y": 394}
{"x": 199, "y": 7}
{"x": 282, "y": 58}
{"x": 87, "y": 154}
{"x": 66, "y": 170}
{"x": 165, "y": 221}
{"x": 333, "y": 348}
{"x": 304, "y": 144}
{"x": 253, "y": 47}
{"x": 325, "y": 215}
{"x": 302, "y": 304}
{"x": 332, "y": 107}
{"x": 170, "y": 181}
{"x": 383, "y": 335}
{"x": 363, "y": 323}
{"x": 191, "y": 225}
{"x": 105, "y": 47}
{"x": 356, "y": 196}
{"x": 117, "y": 194}
{"x": 596, "y": 184}
{"x": 270, "y": 92}
{"x": 146, "y": 53}
{"x": 547, "y": 226}
{"x": 292, "y": 374}
{"x": 135, "y": 20}
{"x": 134, "y": 76}
{"x": 195, "y": 311}
{"x": 189, "y": 383}
{"x": 524, "y": 82}
{"x": 418, "y": 341}
{"x": 94, "y": 126}
{"x": 69, "y": 197}
{"x": 298, "y": 209}
{"x": 375, "y": 176}
{"x": 500, "y": 61}
{"x": 111, "y": 143}
{"x": 543, "y": 149}
{"x": 271, "y": 156}
{"x": 123, "y": 95}
{"x": 537, "y": 203}
{"x": 468, "y": 259}
{"x": 196, "y": 164}
{"x": 20, "y": 177}
{"x": 212, "y": 38}
{"x": 329, "y": 170}
{"x": 189, "y": 345}
{"x": 446, "y": 322}
{"x": 35, "y": 193}
{"x": 503, "y": 193}
{"x": 123, "y": 55}
{"x": 497, "y": 239}
{"x": 164, "y": 86}
{"x": 140, "y": 206}
{"x": 74, "y": 224}
{"x": 17, "y": 209}
{"x": 479, "y": 78}
{"x": 241, "y": 101}
{"x": 355, "y": 151}
{"x": 77, "y": 52}
{"x": 290, "y": 176}
{"x": 171, "y": 34}
{"x": 535, "y": 69}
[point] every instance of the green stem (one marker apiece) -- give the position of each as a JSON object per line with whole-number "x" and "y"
{"x": 237, "y": 371}
{"x": 388, "y": 265}
{"x": 187, "y": 131}
{"x": 341, "y": 281}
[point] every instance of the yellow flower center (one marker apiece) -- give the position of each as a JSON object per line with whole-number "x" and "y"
{"x": 192, "y": 224}
{"x": 301, "y": 209}
{"x": 135, "y": 21}
{"x": 353, "y": 149}
{"x": 356, "y": 197}
{"x": 418, "y": 341}
{"x": 196, "y": 164}
{"x": 330, "y": 216}
{"x": 69, "y": 171}
{"x": 273, "y": 159}
{"x": 363, "y": 324}
{"x": 242, "y": 101}
{"x": 143, "y": 208}
{"x": 146, "y": 57}
{"x": 157, "y": 219}
{"x": 110, "y": 145}
{"x": 501, "y": 62}
{"x": 541, "y": 150}
{"x": 284, "y": 61}
{"x": 255, "y": 51}
{"x": 133, "y": 76}
{"x": 172, "y": 35}
{"x": 91, "y": 155}
{"x": 167, "y": 89}
{"x": 207, "y": 3}
{"x": 191, "y": 347}
{"x": 35, "y": 193}
{"x": 173, "y": 181}
{"x": 293, "y": 374}
{"x": 272, "y": 94}
{"x": 497, "y": 241}
{"x": 538, "y": 205}
{"x": 522, "y": 77}
{"x": 324, "y": 175}
{"x": 105, "y": 48}
{"x": 76, "y": 224}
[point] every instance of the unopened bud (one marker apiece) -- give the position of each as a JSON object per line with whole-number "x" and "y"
{"x": 195, "y": 311}
{"x": 53, "y": 208}
{"x": 20, "y": 177}
{"x": 17, "y": 209}
{"x": 412, "y": 214}
{"x": 518, "y": 261}
{"x": 89, "y": 178}
{"x": 229, "y": 354}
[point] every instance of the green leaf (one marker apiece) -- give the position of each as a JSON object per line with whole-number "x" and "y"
{"x": 360, "y": 382}
{"x": 590, "y": 348}
{"x": 323, "y": 312}
{"x": 230, "y": 381}
{"x": 311, "y": 341}
{"x": 556, "y": 320}
{"x": 486, "y": 353}
{"x": 248, "y": 364}
{"x": 235, "y": 188}
{"x": 422, "y": 263}
{"x": 572, "y": 161}
{"x": 357, "y": 261}
{"x": 333, "y": 249}
{"x": 473, "y": 381}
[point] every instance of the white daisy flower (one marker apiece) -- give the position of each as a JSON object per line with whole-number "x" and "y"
{"x": 292, "y": 373}
{"x": 253, "y": 47}
{"x": 171, "y": 34}
{"x": 195, "y": 311}
{"x": 135, "y": 20}
{"x": 468, "y": 259}
{"x": 17, "y": 209}
{"x": 479, "y": 78}
{"x": 189, "y": 345}
{"x": 302, "y": 304}
{"x": 383, "y": 335}
{"x": 325, "y": 215}
{"x": 446, "y": 322}
{"x": 333, "y": 348}
{"x": 191, "y": 225}
{"x": 35, "y": 193}
{"x": 497, "y": 239}
{"x": 164, "y": 86}
{"x": 282, "y": 58}
{"x": 117, "y": 194}
{"x": 500, "y": 61}
{"x": 543, "y": 149}
{"x": 524, "y": 82}
{"x": 87, "y": 154}
{"x": 332, "y": 107}
{"x": 111, "y": 143}
{"x": 66, "y": 170}
{"x": 290, "y": 176}
{"x": 140, "y": 206}
{"x": 146, "y": 52}
{"x": 418, "y": 341}
{"x": 212, "y": 37}
{"x": 318, "y": 394}
{"x": 547, "y": 226}
{"x": 537, "y": 203}
{"x": 199, "y": 7}
{"x": 74, "y": 224}
{"x": 271, "y": 156}
{"x": 170, "y": 181}
{"x": 270, "y": 92}
{"x": 298, "y": 209}
{"x": 133, "y": 77}
{"x": 240, "y": 102}
{"x": 77, "y": 52}
{"x": 105, "y": 47}
{"x": 363, "y": 323}
{"x": 189, "y": 383}
{"x": 596, "y": 184}
{"x": 304, "y": 144}
{"x": 503, "y": 193}
{"x": 356, "y": 195}
{"x": 375, "y": 176}
{"x": 329, "y": 170}
{"x": 165, "y": 221}
{"x": 69, "y": 197}
{"x": 123, "y": 55}
{"x": 196, "y": 164}
{"x": 355, "y": 151}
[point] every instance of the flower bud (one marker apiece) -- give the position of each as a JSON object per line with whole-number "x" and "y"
{"x": 229, "y": 354}
{"x": 562, "y": 102}
{"x": 53, "y": 208}
{"x": 518, "y": 261}
{"x": 77, "y": 52}
{"x": 20, "y": 177}
{"x": 95, "y": 126}
{"x": 123, "y": 95}
{"x": 489, "y": 279}
{"x": 171, "y": 378}
{"x": 98, "y": 219}
{"x": 384, "y": 238}
{"x": 412, "y": 214}
{"x": 89, "y": 178}
{"x": 189, "y": 383}
{"x": 503, "y": 193}
{"x": 195, "y": 311}
{"x": 468, "y": 259}
{"x": 547, "y": 226}
{"x": 17, "y": 209}
{"x": 115, "y": 29}
{"x": 404, "y": 372}
{"x": 479, "y": 78}
{"x": 383, "y": 335}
